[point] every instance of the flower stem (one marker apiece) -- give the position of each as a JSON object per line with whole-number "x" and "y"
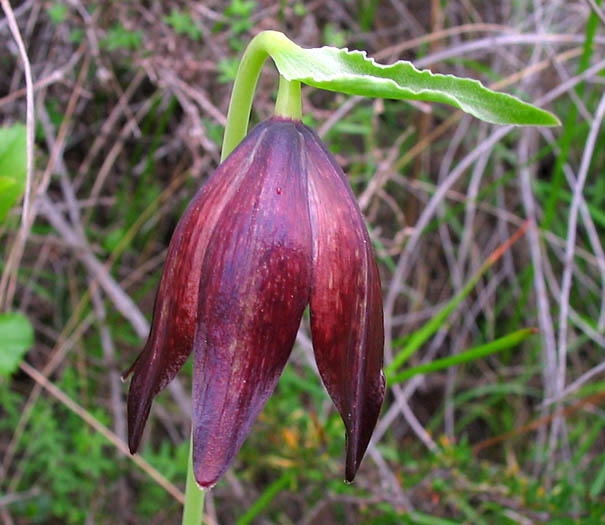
{"x": 194, "y": 495}
{"x": 260, "y": 47}
{"x": 288, "y": 103}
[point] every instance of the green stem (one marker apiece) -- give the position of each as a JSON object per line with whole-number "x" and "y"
{"x": 194, "y": 495}
{"x": 288, "y": 103}
{"x": 259, "y": 48}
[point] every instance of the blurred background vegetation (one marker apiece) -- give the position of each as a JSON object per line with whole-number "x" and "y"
{"x": 130, "y": 101}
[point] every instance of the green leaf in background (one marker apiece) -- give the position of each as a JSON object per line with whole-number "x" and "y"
{"x": 415, "y": 340}
{"x": 352, "y": 72}
{"x": 500, "y": 344}
{"x": 13, "y": 167}
{"x": 16, "y": 337}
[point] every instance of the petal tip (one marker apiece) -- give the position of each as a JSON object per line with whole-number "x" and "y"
{"x": 353, "y": 461}
{"x": 206, "y": 478}
{"x": 206, "y": 484}
{"x": 350, "y": 474}
{"x": 135, "y": 435}
{"x": 138, "y": 408}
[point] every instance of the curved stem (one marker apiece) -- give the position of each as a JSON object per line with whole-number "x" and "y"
{"x": 194, "y": 495}
{"x": 260, "y": 47}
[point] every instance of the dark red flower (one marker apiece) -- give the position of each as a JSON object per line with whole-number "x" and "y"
{"x": 276, "y": 228}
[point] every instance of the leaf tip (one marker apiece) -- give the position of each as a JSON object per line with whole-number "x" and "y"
{"x": 553, "y": 119}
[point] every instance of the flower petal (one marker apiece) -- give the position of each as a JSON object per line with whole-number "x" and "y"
{"x": 346, "y": 302}
{"x": 255, "y": 286}
{"x": 175, "y": 309}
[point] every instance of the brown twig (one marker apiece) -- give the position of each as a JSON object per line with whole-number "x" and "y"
{"x": 153, "y": 473}
{"x": 594, "y": 399}
{"x": 8, "y": 283}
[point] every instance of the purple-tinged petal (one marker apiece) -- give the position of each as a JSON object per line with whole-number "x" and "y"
{"x": 346, "y": 302}
{"x": 175, "y": 309}
{"x": 255, "y": 285}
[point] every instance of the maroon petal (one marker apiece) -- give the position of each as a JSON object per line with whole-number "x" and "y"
{"x": 346, "y": 302}
{"x": 175, "y": 309}
{"x": 255, "y": 286}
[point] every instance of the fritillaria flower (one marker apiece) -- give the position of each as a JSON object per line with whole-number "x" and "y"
{"x": 276, "y": 228}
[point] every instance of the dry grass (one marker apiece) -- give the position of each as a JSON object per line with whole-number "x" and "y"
{"x": 129, "y": 116}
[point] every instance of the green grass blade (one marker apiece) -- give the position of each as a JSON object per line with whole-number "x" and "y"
{"x": 418, "y": 338}
{"x": 599, "y": 482}
{"x": 498, "y": 345}
{"x": 270, "y": 492}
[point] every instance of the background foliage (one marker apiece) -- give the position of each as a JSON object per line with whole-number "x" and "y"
{"x": 131, "y": 99}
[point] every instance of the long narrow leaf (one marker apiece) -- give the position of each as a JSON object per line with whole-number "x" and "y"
{"x": 270, "y": 492}
{"x": 354, "y": 73}
{"x": 498, "y": 345}
{"x": 418, "y": 338}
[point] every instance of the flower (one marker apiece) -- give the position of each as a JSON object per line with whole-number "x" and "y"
{"x": 276, "y": 228}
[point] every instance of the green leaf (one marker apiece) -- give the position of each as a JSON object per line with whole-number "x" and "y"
{"x": 415, "y": 340}
{"x": 13, "y": 166}
{"x": 57, "y": 12}
{"x": 498, "y": 345}
{"x": 120, "y": 38}
{"x": 10, "y": 191}
{"x": 227, "y": 68}
{"x": 183, "y": 24}
{"x": 270, "y": 492}
{"x": 16, "y": 337}
{"x": 352, "y": 72}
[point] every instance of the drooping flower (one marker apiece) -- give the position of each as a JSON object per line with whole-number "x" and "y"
{"x": 276, "y": 228}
